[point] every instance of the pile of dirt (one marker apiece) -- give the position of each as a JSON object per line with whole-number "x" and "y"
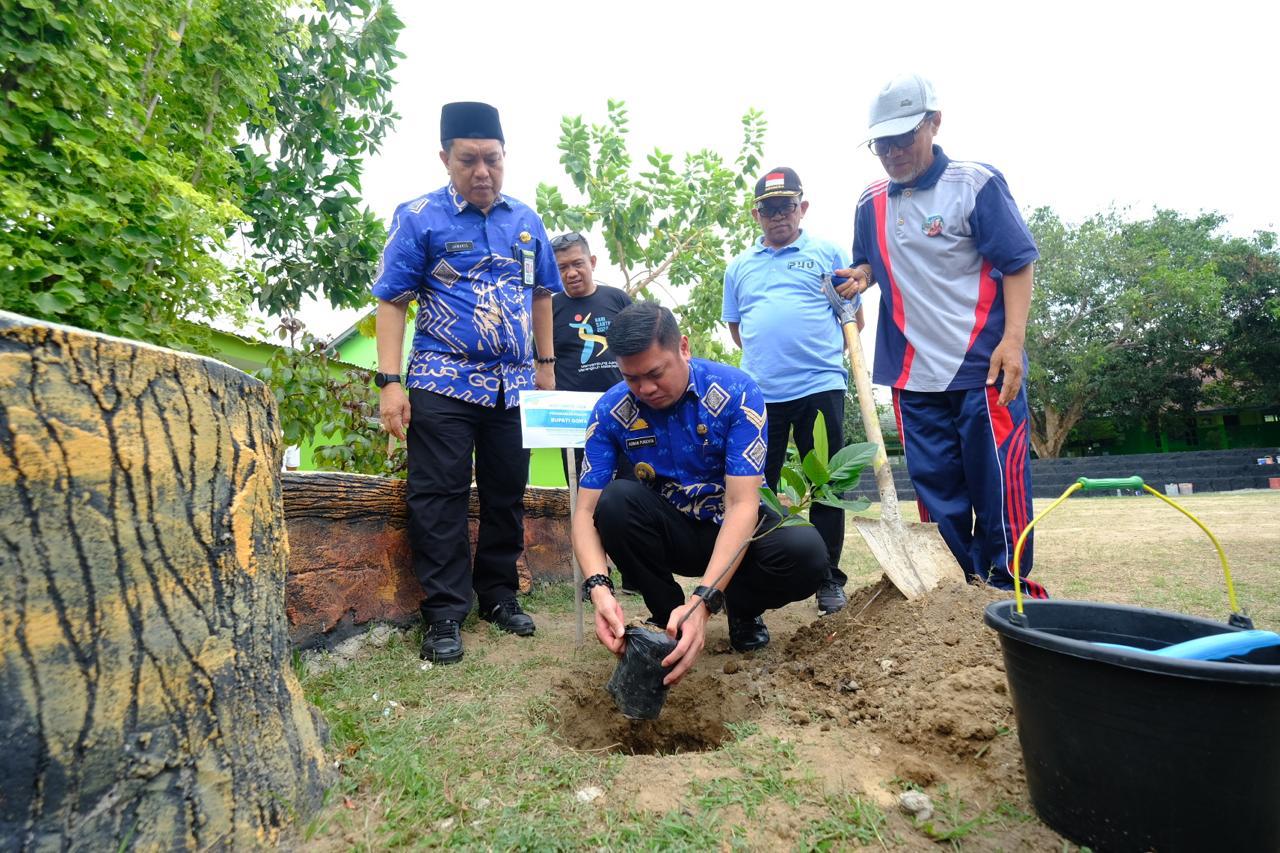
{"x": 694, "y": 717}
{"x": 926, "y": 675}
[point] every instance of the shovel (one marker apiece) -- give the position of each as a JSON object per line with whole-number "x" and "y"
{"x": 913, "y": 555}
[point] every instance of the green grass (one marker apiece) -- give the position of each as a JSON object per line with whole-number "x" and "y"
{"x": 759, "y": 772}
{"x": 851, "y": 820}
{"x": 447, "y": 766}
{"x": 466, "y": 757}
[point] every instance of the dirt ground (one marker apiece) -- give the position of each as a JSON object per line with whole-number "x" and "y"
{"x": 891, "y": 694}
{"x": 883, "y": 696}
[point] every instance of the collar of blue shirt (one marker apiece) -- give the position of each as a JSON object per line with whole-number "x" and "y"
{"x": 794, "y": 245}
{"x": 930, "y": 176}
{"x": 460, "y": 204}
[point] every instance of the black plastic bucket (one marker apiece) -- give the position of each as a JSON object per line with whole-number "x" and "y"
{"x": 636, "y": 684}
{"x": 1127, "y": 751}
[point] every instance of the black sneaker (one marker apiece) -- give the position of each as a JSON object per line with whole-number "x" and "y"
{"x": 510, "y": 617}
{"x": 442, "y": 642}
{"x": 747, "y": 633}
{"x": 831, "y": 598}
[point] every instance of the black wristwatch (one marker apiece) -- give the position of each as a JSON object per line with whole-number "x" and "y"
{"x": 382, "y": 380}
{"x": 593, "y": 582}
{"x": 713, "y": 598}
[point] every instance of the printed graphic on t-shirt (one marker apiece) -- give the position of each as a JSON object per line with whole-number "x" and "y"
{"x": 592, "y": 335}
{"x": 583, "y": 359}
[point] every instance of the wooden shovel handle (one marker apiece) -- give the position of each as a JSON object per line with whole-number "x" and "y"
{"x": 866, "y": 402}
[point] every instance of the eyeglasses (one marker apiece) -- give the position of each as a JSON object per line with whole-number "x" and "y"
{"x": 769, "y": 211}
{"x": 881, "y": 145}
{"x": 564, "y": 241}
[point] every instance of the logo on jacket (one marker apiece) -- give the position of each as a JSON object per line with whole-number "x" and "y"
{"x": 932, "y": 226}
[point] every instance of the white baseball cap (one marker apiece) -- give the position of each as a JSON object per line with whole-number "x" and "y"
{"x": 901, "y": 105}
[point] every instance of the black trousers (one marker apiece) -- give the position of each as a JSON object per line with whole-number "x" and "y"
{"x": 442, "y": 434}
{"x": 651, "y": 541}
{"x": 800, "y": 414}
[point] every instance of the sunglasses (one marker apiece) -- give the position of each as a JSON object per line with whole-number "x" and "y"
{"x": 564, "y": 241}
{"x": 769, "y": 211}
{"x": 881, "y": 145}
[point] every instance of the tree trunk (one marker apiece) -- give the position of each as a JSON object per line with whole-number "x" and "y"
{"x": 146, "y": 694}
{"x": 1049, "y": 431}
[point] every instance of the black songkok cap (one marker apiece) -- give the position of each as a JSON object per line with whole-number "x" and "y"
{"x": 469, "y": 120}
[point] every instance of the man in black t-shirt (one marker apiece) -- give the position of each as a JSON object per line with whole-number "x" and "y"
{"x": 580, "y": 317}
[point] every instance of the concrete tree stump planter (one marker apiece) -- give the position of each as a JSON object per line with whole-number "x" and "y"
{"x": 146, "y": 696}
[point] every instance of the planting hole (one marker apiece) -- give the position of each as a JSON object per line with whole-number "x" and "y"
{"x": 694, "y": 718}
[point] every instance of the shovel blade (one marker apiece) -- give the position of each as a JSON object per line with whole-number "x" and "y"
{"x": 913, "y": 555}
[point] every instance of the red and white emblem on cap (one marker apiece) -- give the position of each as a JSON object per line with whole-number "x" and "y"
{"x": 775, "y": 181}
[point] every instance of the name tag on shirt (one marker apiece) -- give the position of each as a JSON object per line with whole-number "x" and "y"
{"x": 459, "y": 246}
{"x": 642, "y": 441}
{"x": 528, "y": 267}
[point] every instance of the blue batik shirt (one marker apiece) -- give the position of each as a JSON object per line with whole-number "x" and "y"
{"x": 684, "y": 452}
{"x": 473, "y": 277}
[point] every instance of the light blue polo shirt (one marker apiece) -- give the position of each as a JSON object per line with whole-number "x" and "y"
{"x": 792, "y": 345}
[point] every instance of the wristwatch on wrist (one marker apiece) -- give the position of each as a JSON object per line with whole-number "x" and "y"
{"x": 593, "y": 582}
{"x": 713, "y": 598}
{"x": 382, "y": 380}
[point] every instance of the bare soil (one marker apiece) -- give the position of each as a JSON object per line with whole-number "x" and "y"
{"x": 885, "y": 695}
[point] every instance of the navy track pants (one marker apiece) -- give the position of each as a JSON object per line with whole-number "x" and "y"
{"x": 970, "y": 463}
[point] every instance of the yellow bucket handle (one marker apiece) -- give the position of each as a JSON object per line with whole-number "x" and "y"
{"x": 1086, "y": 484}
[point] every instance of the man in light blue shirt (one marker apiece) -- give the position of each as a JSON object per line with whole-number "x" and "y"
{"x": 791, "y": 342}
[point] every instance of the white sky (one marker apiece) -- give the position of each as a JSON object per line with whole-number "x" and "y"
{"x": 1081, "y": 105}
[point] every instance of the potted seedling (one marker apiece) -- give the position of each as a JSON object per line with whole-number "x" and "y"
{"x": 636, "y": 684}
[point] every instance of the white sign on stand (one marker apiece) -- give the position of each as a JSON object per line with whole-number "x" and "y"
{"x": 556, "y": 418}
{"x": 560, "y": 419}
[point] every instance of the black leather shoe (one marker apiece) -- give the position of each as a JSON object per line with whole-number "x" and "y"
{"x": 831, "y": 597}
{"x": 442, "y": 642}
{"x": 510, "y": 617}
{"x": 747, "y": 633}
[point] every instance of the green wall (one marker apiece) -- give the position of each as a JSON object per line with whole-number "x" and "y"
{"x": 1222, "y": 429}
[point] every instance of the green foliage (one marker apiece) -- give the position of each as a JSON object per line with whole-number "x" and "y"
{"x": 307, "y": 229}
{"x": 123, "y": 168}
{"x": 324, "y": 400}
{"x": 115, "y": 119}
{"x": 664, "y": 227}
{"x": 1250, "y": 350}
{"x": 1125, "y": 320}
{"x": 819, "y": 478}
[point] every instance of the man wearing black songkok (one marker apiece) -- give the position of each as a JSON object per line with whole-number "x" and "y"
{"x": 482, "y": 271}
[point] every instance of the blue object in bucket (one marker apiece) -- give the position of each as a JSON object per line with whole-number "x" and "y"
{"x": 1212, "y": 647}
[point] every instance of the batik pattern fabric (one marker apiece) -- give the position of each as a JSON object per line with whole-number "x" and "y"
{"x": 473, "y": 277}
{"x": 717, "y": 428}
